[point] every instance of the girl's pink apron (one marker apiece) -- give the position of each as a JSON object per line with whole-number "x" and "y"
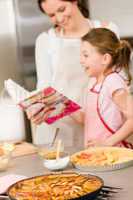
{"x": 95, "y": 125}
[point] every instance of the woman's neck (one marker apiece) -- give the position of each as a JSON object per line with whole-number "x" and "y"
{"x": 80, "y": 26}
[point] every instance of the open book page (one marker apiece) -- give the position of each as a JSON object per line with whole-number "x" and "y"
{"x": 51, "y": 103}
{"x": 16, "y": 92}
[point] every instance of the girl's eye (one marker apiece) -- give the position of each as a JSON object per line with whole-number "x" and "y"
{"x": 86, "y": 55}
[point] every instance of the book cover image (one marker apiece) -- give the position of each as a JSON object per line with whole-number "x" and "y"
{"x": 51, "y": 103}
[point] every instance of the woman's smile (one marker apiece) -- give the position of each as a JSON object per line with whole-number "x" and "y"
{"x": 64, "y": 23}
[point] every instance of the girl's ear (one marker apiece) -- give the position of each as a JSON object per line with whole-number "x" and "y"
{"x": 107, "y": 59}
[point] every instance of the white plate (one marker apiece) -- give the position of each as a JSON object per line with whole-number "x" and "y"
{"x": 102, "y": 168}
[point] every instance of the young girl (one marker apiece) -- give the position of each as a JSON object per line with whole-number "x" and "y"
{"x": 108, "y": 116}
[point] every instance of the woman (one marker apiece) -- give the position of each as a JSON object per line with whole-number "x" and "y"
{"x": 58, "y": 61}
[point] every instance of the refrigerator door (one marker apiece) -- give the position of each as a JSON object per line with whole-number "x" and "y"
{"x": 30, "y": 22}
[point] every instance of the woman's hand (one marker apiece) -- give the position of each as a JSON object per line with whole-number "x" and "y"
{"x": 97, "y": 142}
{"x": 38, "y": 113}
{"x": 41, "y": 116}
{"x": 33, "y": 109}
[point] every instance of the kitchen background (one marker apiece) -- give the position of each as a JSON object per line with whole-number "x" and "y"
{"x": 21, "y": 22}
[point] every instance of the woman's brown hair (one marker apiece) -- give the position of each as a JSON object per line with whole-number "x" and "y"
{"x": 106, "y": 41}
{"x": 82, "y": 4}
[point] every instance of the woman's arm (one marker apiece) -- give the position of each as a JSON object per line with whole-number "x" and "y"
{"x": 44, "y": 73}
{"x": 125, "y": 103}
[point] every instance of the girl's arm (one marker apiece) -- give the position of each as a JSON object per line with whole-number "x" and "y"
{"x": 125, "y": 103}
{"x": 78, "y": 117}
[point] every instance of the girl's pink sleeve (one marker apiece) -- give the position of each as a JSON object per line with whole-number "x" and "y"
{"x": 114, "y": 82}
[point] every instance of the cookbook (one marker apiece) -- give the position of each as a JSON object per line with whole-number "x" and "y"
{"x": 49, "y": 103}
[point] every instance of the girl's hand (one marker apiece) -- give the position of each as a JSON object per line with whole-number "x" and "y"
{"x": 78, "y": 116}
{"x": 95, "y": 143}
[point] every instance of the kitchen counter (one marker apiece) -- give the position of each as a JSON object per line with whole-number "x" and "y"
{"x": 31, "y": 165}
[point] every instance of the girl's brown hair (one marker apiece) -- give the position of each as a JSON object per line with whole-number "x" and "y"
{"x": 106, "y": 41}
{"x": 82, "y": 4}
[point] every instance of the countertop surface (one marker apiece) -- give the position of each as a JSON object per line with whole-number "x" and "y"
{"x": 32, "y": 165}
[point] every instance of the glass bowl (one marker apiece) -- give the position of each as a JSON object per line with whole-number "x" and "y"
{"x": 4, "y": 161}
{"x": 48, "y": 151}
{"x": 57, "y": 164}
{"x": 48, "y": 155}
{"x": 5, "y": 155}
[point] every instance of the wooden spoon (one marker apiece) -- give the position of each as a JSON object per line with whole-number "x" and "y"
{"x": 58, "y": 149}
{"x": 55, "y": 136}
